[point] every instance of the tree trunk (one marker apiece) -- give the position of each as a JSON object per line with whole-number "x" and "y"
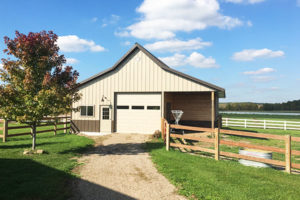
{"x": 33, "y": 132}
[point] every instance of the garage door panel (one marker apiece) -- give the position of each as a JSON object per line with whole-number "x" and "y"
{"x": 138, "y": 120}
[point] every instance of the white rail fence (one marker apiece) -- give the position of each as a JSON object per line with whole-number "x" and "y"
{"x": 264, "y": 124}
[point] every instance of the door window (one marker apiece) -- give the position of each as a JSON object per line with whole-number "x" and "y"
{"x": 105, "y": 113}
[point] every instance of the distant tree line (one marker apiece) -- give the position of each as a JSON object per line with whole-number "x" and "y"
{"x": 248, "y": 106}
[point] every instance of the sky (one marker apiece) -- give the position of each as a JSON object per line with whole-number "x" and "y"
{"x": 249, "y": 47}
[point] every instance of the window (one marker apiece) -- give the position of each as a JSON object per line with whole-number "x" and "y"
{"x": 105, "y": 113}
{"x": 137, "y": 107}
{"x": 90, "y": 110}
{"x": 153, "y": 107}
{"x": 87, "y": 110}
{"x": 122, "y": 107}
{"x": 83, "y": 110}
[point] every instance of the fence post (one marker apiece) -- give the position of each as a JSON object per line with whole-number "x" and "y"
{"x": 217, "y": 140}
{"x": 5, "y": 129}
{"x": 284, "y": 125}
{"x": 55, "y": 126}
{"x": 65, "y": 125}
{"x": 168, "y": 137}
{"x": 288, "y": 154}
{"x": 217, "y": 143}
{"x": 162, "y": 128}
{"x": 245, "y": 123}
{"x": 265, "y": 124}
{"x": 226, "y": 121}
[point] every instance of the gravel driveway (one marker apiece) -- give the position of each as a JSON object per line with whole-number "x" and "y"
{"x": 118, "y": 168}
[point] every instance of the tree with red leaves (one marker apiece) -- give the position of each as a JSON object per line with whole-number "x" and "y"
{"x": 35, "y": 83}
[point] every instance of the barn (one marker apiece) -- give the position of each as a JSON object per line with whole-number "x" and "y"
{"x": 137, "y": 92}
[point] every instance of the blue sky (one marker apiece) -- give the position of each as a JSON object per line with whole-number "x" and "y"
{"x": 249, "y": 47}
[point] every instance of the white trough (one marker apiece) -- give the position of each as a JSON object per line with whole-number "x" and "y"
{"x": 255, "y": 153}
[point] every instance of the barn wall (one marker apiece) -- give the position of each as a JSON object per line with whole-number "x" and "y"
{"x": 138, "y": 73}
{"x": 86, "y": 125}
{"x": 196, "y": 106}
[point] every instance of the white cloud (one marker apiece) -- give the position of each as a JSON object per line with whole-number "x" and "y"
{"x": 72, "y": 43}
{"x": 245, "y": 1}
{"x": 195, "y": 59}
{"x": 121, "y": 33}
{"x": 175, "y": 45}
{"x": 175, "y": 61}
{"x": 162, "y": 19}
{"x": 126, "y": 43}
{"x": 275, "y": 88}
{"x": 263, "y": 78}
{"x": 198, "y": 60}
{"x": 251, "y": 54}
{"x": 249, "y": 23}
{"x": 94, "y": 19}
{"x": 71, "y": 61}
{"x": 113, "y": 19}
{"x": 260, "y": 71}
{"x": 298, "y": 3}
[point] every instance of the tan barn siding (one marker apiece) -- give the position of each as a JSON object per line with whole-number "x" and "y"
{"x": 138, "y": 73}
{"x": 196, "y": 107}
{"x": 86, "y": 125}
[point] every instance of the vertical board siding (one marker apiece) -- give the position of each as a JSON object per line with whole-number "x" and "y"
{"x": 196, "y": 107}
{"x": 137, "y": 73}
{"x": 87, "y": 125}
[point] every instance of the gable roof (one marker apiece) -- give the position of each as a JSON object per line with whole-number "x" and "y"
{"x": 220, "y": 90}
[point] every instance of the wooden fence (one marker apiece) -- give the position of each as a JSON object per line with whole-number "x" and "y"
{"x": 263, "y": 124}
{"x": 49, "y": 121}
{"x": 217, "y": 142}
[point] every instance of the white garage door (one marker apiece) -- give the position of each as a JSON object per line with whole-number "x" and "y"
{"x": 138, "y": 113}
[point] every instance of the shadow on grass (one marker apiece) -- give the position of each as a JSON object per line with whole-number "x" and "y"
{"x": 26, "y": 179}
{"x": 41, "y": 135}
{"x": 14, "y": 146}
{"x": 115, "y": 149}
{"x": 154, "y": 144}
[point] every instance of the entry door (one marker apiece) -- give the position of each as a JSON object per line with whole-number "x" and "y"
{"x": 138, "y": 113}
{"x": 105, "y": 119}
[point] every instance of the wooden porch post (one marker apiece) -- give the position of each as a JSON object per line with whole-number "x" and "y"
{"x": 212, "y": 110}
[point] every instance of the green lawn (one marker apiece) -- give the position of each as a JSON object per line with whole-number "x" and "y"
{"x": 45, "y": 176}
{"x": 204, "y": 178}
{"x": 257, "y": 116}
{"x": 264, "y": 142}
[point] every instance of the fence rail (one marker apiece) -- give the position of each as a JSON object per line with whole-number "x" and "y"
{"x": 263, "y": 124}
{"x": 217, "y": 141}
{"x": 48, "y": 121}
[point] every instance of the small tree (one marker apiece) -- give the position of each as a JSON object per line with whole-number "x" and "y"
{"x": 34, "y": 83}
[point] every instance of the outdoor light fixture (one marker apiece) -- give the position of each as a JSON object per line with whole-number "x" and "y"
{"x": 104, "y": 98}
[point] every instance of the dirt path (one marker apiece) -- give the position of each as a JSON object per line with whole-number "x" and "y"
{"x": 118, "y": 168}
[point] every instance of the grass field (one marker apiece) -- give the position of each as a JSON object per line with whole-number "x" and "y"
{"x": 45, "y": 176}
{"x": 204, "y": 178}
{"x": 261, "y": 116}
{"x": 264, "y": 142}
{"x": 275, "y": 143}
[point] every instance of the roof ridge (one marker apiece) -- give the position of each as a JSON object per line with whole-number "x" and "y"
{"x": 158, "y": 62}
